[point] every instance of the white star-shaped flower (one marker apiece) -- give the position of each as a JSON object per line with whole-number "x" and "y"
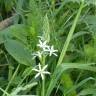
{"x": 41, "y": 71}
{"x": 42, "y": 45}
{"x": 52, "y": 51}
{"x": 37, "y": 54}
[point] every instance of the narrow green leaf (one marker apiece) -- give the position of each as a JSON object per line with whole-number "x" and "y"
{"x": 65, "y": 47}
{"x": 63, "y": 67}
{"x": 88, "y": 91}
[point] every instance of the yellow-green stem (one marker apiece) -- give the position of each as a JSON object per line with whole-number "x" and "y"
{"x": 43, "y": 81}
{"x": 43, "y": 87}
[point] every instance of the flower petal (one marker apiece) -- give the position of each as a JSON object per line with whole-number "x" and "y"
{"x": 39, "y": 67}
{"x": 37, "y": 75}
{"x": 42, "y": 76}
{"x": 35, "y": 70}
{"x": 46, "y": 72}
{"x": 44, "y": 67}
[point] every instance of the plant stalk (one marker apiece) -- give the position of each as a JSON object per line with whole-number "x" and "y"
{"x": 43, "y": 81}
{"x": 43, "y": 87}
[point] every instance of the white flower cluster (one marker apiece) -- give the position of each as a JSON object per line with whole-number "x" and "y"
{"x": 45, "y": 49}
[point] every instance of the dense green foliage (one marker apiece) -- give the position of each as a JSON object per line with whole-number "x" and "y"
{"x": 69, "y": 25}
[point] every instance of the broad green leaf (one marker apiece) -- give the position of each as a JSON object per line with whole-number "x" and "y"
{"x": 18, "y": 31}
{"x": 3, "y": 34}
{"x": 18, "y": 51}
{"x": 1, "y": 38}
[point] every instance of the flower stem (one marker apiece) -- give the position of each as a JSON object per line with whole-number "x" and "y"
{"x": 43, "y": 87}
{"x": 43, "y": 81}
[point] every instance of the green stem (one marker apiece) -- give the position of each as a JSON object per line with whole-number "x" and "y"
{"x": 43, "y": 87}
{"x": 4, "y": 92}
{"x": 43, "y": 81}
